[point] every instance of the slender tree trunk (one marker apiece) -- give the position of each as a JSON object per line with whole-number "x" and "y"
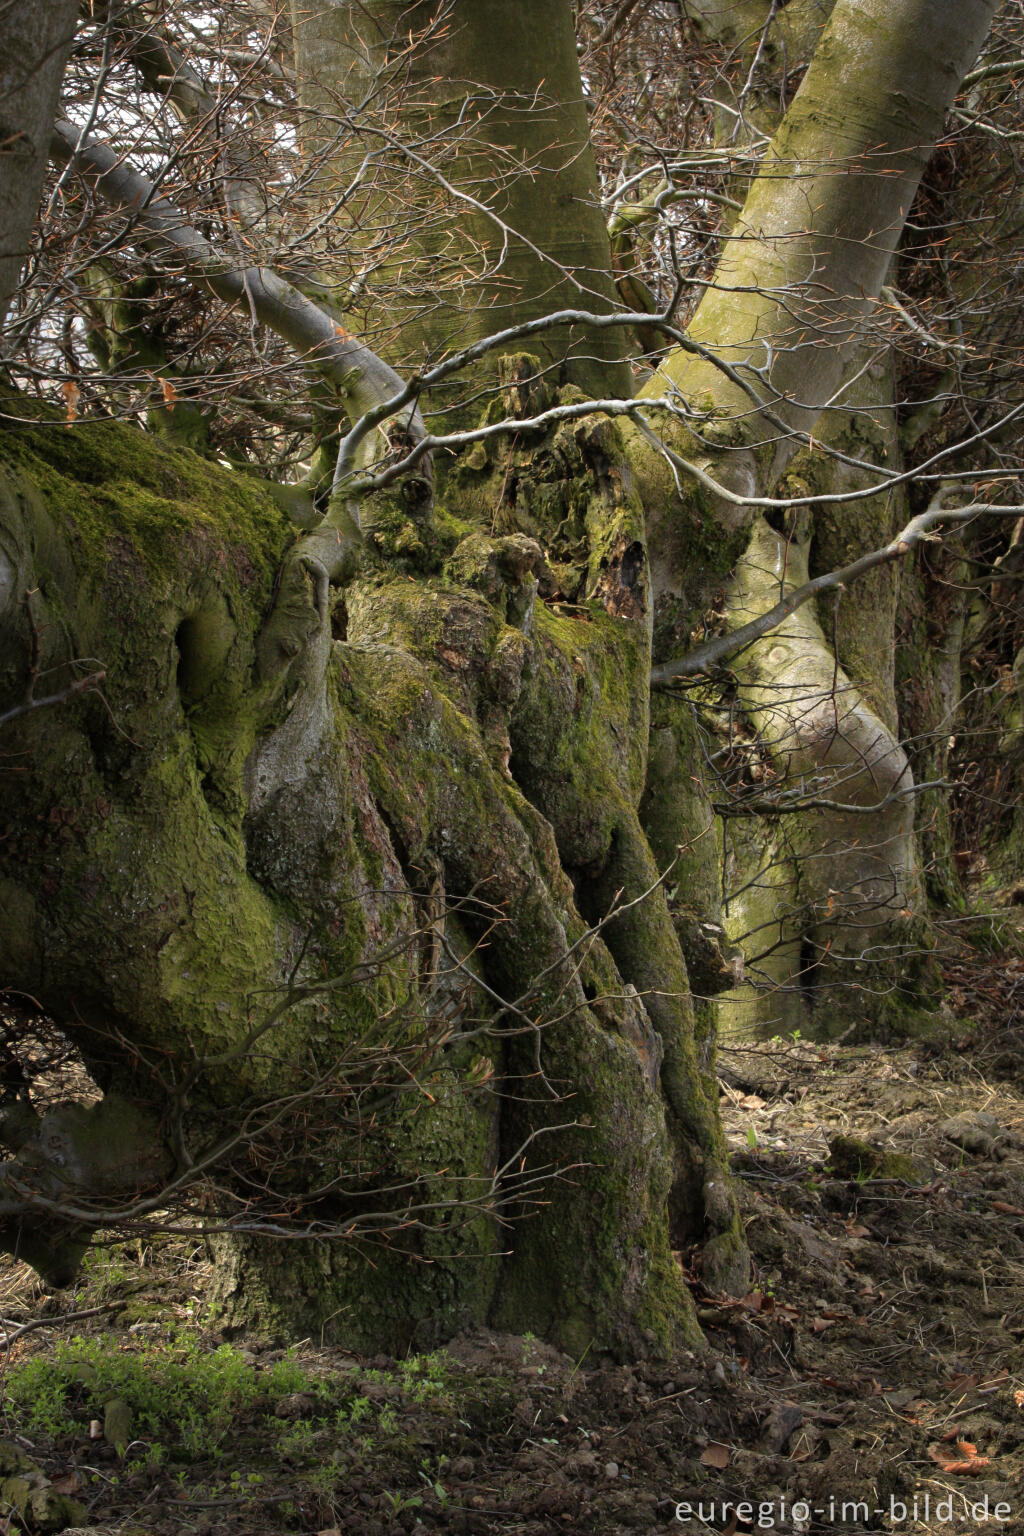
{"x": 34, "y": 44}
{"x": 787, "y": 314}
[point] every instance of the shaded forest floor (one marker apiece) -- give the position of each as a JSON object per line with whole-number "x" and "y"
{"x": 872, "y": 1380}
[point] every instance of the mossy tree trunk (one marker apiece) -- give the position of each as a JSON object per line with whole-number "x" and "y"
{"x": 353, "y": 893}
{"x": 452, "y": 141}
{"x": 828, "y": 897}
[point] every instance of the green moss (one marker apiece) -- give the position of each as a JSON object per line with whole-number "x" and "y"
{"x": 432, "y": 1274}
{"x": 852, "y": 1158}
{"x": 108, "y": 482}
{"x": 579, "y": 730}
{"x": 700, "y": 553}
{"x": 599, "y": 1277}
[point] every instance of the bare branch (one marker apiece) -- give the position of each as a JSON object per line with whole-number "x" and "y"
{"x": 706, "y": 657}
{"x": 361, "y": 377}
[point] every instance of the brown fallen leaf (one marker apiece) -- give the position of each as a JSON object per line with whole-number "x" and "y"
{"x": 757, "y": 1301}
{"x": 962, "y": 1460}
{"x": 819, "y": 1324}
{"x": 71, "y": 392}
{"x": 715, "y": 1455}
{"x": 1007, "y": 1209}
{"x": 960, "y": 1385}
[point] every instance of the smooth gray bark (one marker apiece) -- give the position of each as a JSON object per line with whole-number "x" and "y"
{"x": 35, "y": 36}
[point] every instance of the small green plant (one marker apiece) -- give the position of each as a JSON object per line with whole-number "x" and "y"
{"x": 398, "y": 1503}
{"x": 424, "y": 1376}
{"x": 285, "y": 1376}
{"x": 751, "y": 1138}
{"x": 240, "y": 1481}
{"x": 439, "y": 1491}
{"x": 301, "y": 1440}
{"x": 183, "y": 1400}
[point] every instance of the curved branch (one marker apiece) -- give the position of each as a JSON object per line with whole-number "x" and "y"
{"x": 363, "y": 378}
{"x": 707, "y": 656}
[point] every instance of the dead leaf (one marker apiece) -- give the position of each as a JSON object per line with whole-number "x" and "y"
{"x": 715, "y": 1455}
{"x": 819, "y": 1324}
{"x": 71, "y": 392}
{"x": 757, "y": 1301}
{"x": 170, "y": 394}
{"x": 1018, "y": 1397}
{"x": 853, "y": 1229}
{"x": 1005, "y": 1209}
{"x": 962, "y": 1384}
{"x": 752, "y": 1101}
{"x": 961, "y": 1461}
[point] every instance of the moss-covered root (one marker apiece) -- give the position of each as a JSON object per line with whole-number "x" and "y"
{"x": 645, "y": 946}
{"x": 578, "y": 734}
{"x": 582, "y": 1136}
{"x": 76, "y": 1158}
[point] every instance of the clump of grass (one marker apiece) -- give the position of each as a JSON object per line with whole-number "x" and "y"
{"x": 179, "y": 1395}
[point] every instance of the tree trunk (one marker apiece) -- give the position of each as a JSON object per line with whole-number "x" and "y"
{"x": 186, "y": 866}
{"x": 827, "y": 898}
{"x": 479, "y": 201}
{"x": 34, "y": 44}
{"x": 373, "y": 902}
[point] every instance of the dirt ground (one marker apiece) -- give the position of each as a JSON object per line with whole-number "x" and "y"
{"x": 873, "y": 1380}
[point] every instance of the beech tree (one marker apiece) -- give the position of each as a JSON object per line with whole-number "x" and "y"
{"x": 413, "y": 411}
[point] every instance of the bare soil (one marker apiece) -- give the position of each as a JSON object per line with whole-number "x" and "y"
{"x": 873, "y": 1380}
